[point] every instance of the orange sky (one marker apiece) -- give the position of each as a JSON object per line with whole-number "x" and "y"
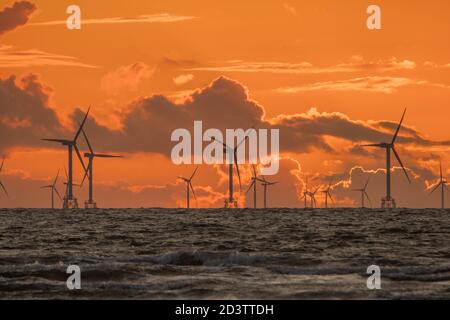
{"x": 291, "y": 56}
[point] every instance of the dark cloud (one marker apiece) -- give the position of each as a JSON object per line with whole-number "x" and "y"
{"x": 149, "y": 121}
{"x": 15, "y": 16}
{"x": 25, "y": 114}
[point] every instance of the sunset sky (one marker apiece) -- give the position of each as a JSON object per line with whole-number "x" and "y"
{"x": 310, "y": 68}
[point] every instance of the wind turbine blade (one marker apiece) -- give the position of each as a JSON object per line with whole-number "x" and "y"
{"x": 84, "y": 177}
{"x": 242, "y": 141}
{"x": 237, "y": 170}
{"x": 57, "y": 193}
{"x": 65, "y": 171}
{"x": 57, "y": 140}
{"x": 367, "y": 183}
{"x": 434, "y": 189}
{"x": 81, "y": 126}
{"x": 398, "y": 128}
{"x": 4, "y": 189}
{"x": 400, "y": 161}
{"x": 87, "y": 141}
{"x": 331, "y": 198}
{"x": 56, "y": 179}
{"x": 193, "y": 174}
{"x": 251, "y": 185}
{"x": 193, "y": 192}
{"x": 3, "y": 161}
{"x": 367, "y": 196}
{"x": 102, "y": 155}
{"x": 223, "y": 144}
{"x": 379, "y": 145}
{"x": 79, "y": 157}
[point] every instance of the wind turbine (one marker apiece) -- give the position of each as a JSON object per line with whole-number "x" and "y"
{"x": 312, "y": 195}
{"x": 231, "y": 202}
{"x": 253, "y": 184}
{"x": 327, "y": 193}
{"x": 388, "y": 201}
{"x": 305, "y": 193}
{"x": 364, "y": 193}
{"x": 70, "y": 202}
{"x": 189, "y": 187}
{"x": 53, "y": 189}
{"x": 1, "y": 183}
{"x": 443, "y": 184}
{"x": 265, "y": 184}
{"x": 90, "y": 203}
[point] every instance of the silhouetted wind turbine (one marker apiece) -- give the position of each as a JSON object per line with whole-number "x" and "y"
{"x": 189, "y": 187}
{"x": 443, "y": 184}
{"x": 253, "y": 184}
{"x": 265, "y": 184}
{"x": 70, "y": 201}
{"x": 1, "y": 183}
{"x": 388, "y": 201}
{"x": 305, "y": 193}
{"x": 231, "y": 202}
{"x": 53, "y": 189}
{"x": 90, "y": 203}
{"x": 364, "y": 193}
{"x": 312, "y": 195}
{"x": 327, "y": 193}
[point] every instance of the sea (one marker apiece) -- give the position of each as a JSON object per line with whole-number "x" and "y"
{"x": 225, "y": 253}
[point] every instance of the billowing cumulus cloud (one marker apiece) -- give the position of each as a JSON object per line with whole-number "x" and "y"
{"x": 15, "y": 16}
{"x": 147, "y": 124}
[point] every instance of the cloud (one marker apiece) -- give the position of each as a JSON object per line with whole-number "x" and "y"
{"x": 148, "y": 122}
{"x": 25, "y": 114}
{"x": 183, "y": 79}
{"x": 355, "y": 65}
{"x": 13, "y": 58}
{"x": 289, "y": 8}
{"x": 148, "y": 18}
{"x": 15, "y": 16}
{"x": 126, "y": 78}
{"x": 366, "y": 84}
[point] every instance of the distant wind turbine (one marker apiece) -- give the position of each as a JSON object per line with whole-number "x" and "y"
{"x": 90, "y": 203}
{"x": 1, "y": 183}
{"x": 305, "y": 193}
{"x": 312, "y": 195}
{"x": 70, "y": 202}
{"x": 231, "y": 202}
{"x": 327, "y": 193}
{"x": 253, "y": 184}
{"x": 189, "y": 187}
{"x": 443, "y": 184}
{"x": 53, "y": 190}
{"x": 388, "y": 201}
{"x": 265, "y": 184}
{"x": 364, "y": 193}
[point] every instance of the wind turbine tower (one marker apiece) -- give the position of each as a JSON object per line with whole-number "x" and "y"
{"x": 189, "y": 187}
{"x": 364, "y": 193}
{"x": 388, "y": 201}
{"x": 70, "y": 202}
{"x": 53, "y": 190}
{"x": 443, "y": 184}
{"x": 91, "y": 155}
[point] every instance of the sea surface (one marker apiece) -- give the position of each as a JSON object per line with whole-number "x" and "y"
{"x": 225, "y": 254}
